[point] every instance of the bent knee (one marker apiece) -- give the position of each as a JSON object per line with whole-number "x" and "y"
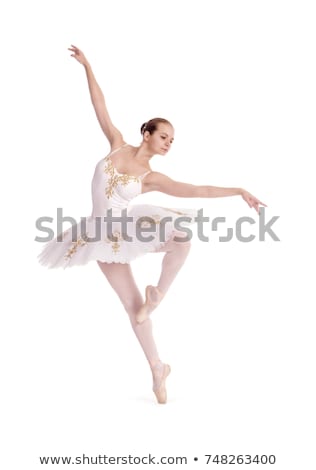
{"x": 181, "y": 240}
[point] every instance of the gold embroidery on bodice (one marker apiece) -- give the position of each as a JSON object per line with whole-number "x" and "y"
{"x": 116, "y": 178}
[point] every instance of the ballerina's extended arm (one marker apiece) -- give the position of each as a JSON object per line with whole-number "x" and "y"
{"x": 113, "y": 135}
{"x": 156, "y": 181}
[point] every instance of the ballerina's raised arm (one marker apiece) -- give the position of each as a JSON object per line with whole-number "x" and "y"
{"x": 113, "y": 135}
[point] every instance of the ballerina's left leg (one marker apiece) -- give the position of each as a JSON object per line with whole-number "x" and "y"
{"x": 176, "y": 252}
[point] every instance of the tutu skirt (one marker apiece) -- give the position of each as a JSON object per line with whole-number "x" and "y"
{"x": 117, "y": 237}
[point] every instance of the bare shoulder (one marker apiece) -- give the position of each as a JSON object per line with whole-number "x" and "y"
{"x": 156, "y": 181}
{"x": 156, "y": 176}
{"x": 122, "y": 149}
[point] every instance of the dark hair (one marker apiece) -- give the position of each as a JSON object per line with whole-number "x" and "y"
{"x": 151, "y": 125}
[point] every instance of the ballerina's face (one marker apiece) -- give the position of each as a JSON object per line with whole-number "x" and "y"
{"x": 160, "y": 141}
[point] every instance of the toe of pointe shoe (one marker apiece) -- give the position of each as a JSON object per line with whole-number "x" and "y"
{"x": 160, "y": 391}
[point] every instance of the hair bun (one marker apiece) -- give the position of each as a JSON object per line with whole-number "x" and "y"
{"x": 143, "y": 128}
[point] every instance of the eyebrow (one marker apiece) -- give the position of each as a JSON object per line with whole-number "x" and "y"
{"x": 166, "y": 133}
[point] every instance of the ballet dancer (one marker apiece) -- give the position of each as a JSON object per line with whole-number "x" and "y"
{"x": 118, "y": 178}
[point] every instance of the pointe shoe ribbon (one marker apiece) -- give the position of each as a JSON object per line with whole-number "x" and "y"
{"x": 149, "y": 304}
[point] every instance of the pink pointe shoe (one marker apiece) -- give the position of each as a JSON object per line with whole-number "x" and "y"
{"x": 160, "y": 372}
{"x": 153, "y": 299}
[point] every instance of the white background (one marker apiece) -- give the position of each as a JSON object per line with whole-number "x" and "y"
{"x": 237, "y": 80}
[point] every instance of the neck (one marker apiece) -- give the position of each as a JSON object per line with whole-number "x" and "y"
{"x": 143, "y": 154}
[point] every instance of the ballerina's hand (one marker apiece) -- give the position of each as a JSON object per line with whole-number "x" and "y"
{"x": 252, "y": 201}
{"x": 78, "y": 55}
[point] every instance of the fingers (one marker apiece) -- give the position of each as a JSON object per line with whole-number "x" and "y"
{"x": 74, "y": 49}
{"x": 261, "y": 203}
{"x": 258, "y": 205}
{"x": 257, "y": 208}
{"x": 253, "y": 202}
{"x": 257, "y": 202}
{"x": 248, "y": 201}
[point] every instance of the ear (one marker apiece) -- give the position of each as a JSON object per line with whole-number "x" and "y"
{"x": 146, "y": 136}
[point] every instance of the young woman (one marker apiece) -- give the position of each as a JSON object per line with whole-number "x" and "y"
{"x": 117, "y": 232}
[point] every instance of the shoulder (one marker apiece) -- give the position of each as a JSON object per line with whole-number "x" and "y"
{"x": 156, "y": 181}
{"x": 117, "y": 142}
{"x": 120, "y": 145}
{"x": 156, "y": 176}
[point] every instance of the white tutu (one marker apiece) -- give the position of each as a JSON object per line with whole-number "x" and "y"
{"x": 116, "y": 232}
{"x": 95, "y": 239}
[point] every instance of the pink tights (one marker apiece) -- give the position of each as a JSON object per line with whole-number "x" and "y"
{"x": 122, "y": 281}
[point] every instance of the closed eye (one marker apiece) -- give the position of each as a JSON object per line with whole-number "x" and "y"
{"x": 164, "y": 137}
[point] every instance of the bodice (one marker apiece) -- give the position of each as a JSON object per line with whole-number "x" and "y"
{"x": 112, "y": 189}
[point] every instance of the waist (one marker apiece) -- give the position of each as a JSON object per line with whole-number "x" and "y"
{"x": 109, "y": 212}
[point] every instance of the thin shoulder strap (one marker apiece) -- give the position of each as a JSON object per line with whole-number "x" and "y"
{"x": 116, "y": 150}
{"x": 144, "y": 174}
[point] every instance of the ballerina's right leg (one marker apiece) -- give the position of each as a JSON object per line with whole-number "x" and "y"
{"x": 122, "y": 281}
